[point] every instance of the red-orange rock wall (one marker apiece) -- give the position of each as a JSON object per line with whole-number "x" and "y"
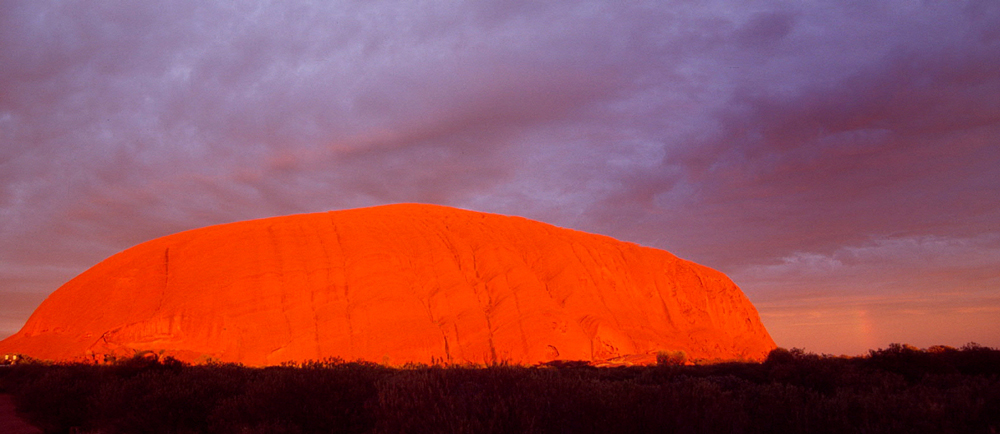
{"x": 396, "y": 284}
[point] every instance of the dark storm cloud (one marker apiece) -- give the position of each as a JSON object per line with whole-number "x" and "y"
{"x": 765, "y": 139}
{"x": 898, "y": 140}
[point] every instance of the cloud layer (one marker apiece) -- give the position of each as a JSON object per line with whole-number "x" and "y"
{"x": 811, "y": 150}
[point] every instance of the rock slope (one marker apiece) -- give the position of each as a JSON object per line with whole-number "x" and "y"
{"x": 394, "y": 284}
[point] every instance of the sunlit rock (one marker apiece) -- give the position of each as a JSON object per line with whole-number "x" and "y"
{"x": 394, "y": 284}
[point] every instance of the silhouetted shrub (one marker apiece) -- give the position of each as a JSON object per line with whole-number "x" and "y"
{"x": 671, "y": 358}
{"x": 315, "y": 398}
{"x": 57, "y": 398}
{"x": 897, "y": 389}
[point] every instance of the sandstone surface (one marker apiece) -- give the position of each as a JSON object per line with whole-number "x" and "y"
{"x": 394, "y": 284}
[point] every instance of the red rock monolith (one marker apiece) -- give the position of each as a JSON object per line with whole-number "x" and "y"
{"x": 394, "y": 284}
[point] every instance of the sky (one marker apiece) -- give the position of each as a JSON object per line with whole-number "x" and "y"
{"x": 839, "y": 160}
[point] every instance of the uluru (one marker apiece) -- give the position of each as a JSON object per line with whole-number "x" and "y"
{"x": 394, "y": 284}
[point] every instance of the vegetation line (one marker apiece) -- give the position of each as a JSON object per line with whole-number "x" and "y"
{"x": 897, "y": 389}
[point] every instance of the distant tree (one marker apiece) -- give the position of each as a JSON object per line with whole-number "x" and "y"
{"x": 671, "y": 358}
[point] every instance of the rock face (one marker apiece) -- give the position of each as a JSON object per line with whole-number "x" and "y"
{"x": 394, "y": 284}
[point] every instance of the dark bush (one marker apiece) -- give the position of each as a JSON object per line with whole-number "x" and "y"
{"x": 897, "y": 389}
{"x": 320, "y": 399}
